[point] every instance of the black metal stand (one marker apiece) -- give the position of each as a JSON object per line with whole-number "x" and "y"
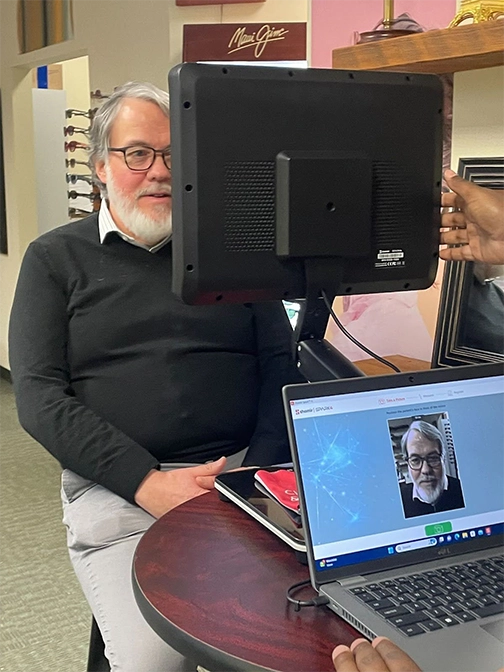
{"x": 97, "y": 662}
{"x": 317, "y": 358}
{"x": 325, "y": 231}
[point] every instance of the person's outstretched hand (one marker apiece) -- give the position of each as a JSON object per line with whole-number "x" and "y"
{"x": 381, "y": 655}
{"x": 477, "y": 224}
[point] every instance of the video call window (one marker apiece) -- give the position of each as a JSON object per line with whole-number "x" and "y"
{"x": 426, "y": 464}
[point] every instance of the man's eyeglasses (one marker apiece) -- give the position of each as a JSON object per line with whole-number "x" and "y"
{"x": 142, "y": 158}
{"x": 416, "y": 462}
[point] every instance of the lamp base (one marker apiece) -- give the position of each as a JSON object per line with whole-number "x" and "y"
{"x": 479, "y": 10}
{"x": 383, "y": 34}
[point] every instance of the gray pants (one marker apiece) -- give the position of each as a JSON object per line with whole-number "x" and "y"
{"x": 103, "y": 530}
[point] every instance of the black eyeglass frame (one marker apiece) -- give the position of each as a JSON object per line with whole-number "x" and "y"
{"x": 165, "y": 153}
{"x": 438, "y": 458}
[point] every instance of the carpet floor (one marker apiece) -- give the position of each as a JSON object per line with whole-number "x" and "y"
{"x": 44, "y": 619}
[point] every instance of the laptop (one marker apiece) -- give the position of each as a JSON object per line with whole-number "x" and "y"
{"x": 401, "y": 486}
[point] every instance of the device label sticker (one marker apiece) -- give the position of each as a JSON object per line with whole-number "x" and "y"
{"x": 389, "y": 258}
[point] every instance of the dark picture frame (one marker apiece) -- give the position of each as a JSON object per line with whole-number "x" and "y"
{"x": 451, "y": 347}
{"x": 3, "y": 213}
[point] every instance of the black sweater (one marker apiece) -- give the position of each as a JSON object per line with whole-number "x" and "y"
{"x": 113, "y": 373}
{"x": 450, "y": 499}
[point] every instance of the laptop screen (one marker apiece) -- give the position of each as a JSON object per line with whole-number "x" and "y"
{"x": 389, "y": 471}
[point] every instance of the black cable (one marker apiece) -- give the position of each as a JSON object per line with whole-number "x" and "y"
{"x": 354, "y": 340}
{"x": 316, "y": 602}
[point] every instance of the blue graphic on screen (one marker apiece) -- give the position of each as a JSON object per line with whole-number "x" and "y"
{"x": 347, "y": 481}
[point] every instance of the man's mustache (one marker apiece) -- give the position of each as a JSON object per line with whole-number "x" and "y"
{"x": 151, "y": 192}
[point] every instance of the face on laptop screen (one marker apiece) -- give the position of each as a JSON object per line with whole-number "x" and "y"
{"x": 387, "y": 472}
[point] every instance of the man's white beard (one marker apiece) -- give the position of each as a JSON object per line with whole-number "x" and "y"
{"x": 431, "y": 496}
{"x": 147, "y": 229}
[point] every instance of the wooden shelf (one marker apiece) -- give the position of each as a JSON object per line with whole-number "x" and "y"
{"x": 372, "y": 367}
{"x": 470, "y": 47}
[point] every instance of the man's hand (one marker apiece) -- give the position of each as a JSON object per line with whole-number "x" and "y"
{"x": 161, "y": 491}
{"x": 477, "y": 224}
{"x": 380, "y": 656}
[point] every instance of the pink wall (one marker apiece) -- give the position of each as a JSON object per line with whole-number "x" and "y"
{"x": 333, "y": 22}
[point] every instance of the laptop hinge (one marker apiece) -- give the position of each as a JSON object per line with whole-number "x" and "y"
{"x": 352, "y": 581}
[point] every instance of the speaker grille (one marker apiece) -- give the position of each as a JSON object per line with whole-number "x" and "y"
{"x": 392, "y": 206}
{"x": 249, "y": 206}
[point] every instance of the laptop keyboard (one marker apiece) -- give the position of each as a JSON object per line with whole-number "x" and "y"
{"x": 438, "y": 598}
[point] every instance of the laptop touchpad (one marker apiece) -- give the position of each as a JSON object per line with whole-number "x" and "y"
{"x": 496, "y": 628}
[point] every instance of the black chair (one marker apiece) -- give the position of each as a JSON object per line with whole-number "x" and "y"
{"x": 97, "y": 662}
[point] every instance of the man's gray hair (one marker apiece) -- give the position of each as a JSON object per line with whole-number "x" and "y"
{"x": 107, "y": 112}
{"x": 427, "y": 430}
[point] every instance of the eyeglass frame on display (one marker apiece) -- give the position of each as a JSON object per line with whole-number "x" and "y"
{"x": 72, "y": 178}
{"x": 79, "y": 212}
{"x": 76, "y": 194}
{"x": 70, "y": 130}
{"x": 73, "y": 145}
{"x": 89, "y": 114}
{"x": 71, "y": 163}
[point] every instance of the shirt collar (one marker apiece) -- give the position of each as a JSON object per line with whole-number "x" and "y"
{"x": 107, "y": 226}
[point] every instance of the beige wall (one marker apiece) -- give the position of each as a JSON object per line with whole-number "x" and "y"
{"x": 124, "y": 40}
{"x": 75, "y": 81}
{"x": 478, "y": 114}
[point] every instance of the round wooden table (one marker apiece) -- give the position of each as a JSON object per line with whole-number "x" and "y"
{"x": 211, "y": 581}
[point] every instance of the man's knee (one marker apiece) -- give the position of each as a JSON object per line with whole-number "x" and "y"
{"x": 141, "y": 658}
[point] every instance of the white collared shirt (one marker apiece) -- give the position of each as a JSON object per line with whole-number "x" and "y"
{"x": 106, "y": 226}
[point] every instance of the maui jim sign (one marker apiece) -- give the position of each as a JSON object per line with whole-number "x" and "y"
{"x": 245, "y": 42}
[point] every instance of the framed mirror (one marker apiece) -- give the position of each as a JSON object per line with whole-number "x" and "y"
{"x": 470, "y": 325}
{"x": 41, "y": 23}
{"x": 3, "y": 213}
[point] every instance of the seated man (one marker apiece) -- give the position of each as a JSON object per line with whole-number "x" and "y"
{"x": 431, "y": 489}
{"x": 121, "y": 382}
